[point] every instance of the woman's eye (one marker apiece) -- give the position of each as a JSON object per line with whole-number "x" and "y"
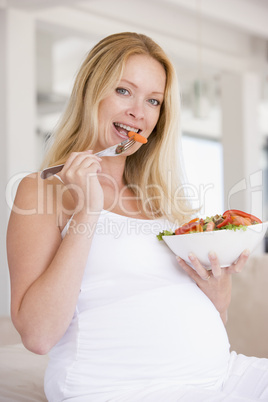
{"x": 122, "y": 91}
{"x": 154, "y": 102}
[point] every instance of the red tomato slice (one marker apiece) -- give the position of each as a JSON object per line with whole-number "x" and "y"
{"x": 189, "y": 227}
{"x": 237, "y": 212}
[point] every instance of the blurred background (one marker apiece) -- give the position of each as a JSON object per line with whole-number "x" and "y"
{"x": 220, "y": 50}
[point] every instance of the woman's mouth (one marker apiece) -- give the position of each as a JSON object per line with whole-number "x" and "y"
{"x": 123, "y": 129}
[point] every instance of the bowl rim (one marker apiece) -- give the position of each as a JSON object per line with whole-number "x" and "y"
{"x": 265, "y": 223}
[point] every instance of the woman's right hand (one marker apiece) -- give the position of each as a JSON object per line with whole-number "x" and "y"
{"x": 80, "y": 176}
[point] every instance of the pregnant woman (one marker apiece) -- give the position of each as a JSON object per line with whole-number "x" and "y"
{"x": 121, "y": 318}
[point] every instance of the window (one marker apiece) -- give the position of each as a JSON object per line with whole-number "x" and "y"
{"x": 203, "y": 162}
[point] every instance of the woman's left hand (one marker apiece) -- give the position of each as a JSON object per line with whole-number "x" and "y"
{"x": 217, "y": 282}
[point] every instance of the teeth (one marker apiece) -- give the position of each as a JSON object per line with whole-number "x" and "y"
{"x": 128, "y": 128}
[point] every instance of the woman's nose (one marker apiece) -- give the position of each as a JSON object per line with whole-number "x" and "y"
{"x": 136, "y": 110}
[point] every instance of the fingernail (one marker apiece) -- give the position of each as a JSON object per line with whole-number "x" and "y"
{"x": 212, "y": 255}
{"x": 191, "y": 256}
{"x": 178, "y": 258}
{"x": 246, "y": 252}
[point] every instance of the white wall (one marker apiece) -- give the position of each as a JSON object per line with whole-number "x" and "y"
{"x": 17, "y": 117}
{"x": 243, "y": 178}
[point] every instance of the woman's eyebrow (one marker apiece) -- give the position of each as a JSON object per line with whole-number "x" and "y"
{"x": 134, "y": 85}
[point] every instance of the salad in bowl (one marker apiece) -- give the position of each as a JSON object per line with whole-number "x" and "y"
{"x": 227, "y": 234}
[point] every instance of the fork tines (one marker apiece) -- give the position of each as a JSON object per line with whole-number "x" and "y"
{"x": 123, "y": 148}
{"x": 128, "y": 144}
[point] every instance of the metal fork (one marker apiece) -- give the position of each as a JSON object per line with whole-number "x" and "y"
{"x": 114, "y": 150}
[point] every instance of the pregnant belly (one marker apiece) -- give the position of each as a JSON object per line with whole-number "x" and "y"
{"x": 171, "y": 333}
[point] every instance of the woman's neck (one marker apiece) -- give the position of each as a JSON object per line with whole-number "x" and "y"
{"x": 118, "y": 197}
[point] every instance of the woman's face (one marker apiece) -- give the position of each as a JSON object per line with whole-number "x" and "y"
{"x": 134, "y": 104}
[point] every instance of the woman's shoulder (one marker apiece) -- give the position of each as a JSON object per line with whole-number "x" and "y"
{"x": 33, "y": 188}
{"x": 46, "y": 197}
{"x": 33, "y": 179}
{"x": 28, "y": 192}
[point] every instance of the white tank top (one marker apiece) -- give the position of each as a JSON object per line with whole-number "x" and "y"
{"x": 140, "y": 320}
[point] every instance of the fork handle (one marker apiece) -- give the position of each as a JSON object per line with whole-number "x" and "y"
{"x": 50, "y": 171}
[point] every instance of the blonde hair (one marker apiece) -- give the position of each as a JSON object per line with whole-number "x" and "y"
{"x": 153, "y": 172}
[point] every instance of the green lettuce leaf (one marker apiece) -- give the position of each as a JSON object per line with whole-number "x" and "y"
{"x": 164, "y": 233}
{"x": 233, "y": 227}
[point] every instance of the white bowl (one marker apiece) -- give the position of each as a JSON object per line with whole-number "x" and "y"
{"x": 227, "y": 244}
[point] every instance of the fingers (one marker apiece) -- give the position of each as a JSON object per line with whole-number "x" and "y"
{"x": 198, "y": 267}
{"x": 74, "y": 156}
{"x": 196, "y": 273}
{"x": 215, "y": 265}
{"x": 79, "y": 161}
{"x": 197, "y": 270}
{"x": 239, "y": 265}
{"x": 77, "y": 158}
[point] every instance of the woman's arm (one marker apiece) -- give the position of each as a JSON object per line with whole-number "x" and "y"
{"x": 217, "y": 283}
{"x": 46, "y": 271}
